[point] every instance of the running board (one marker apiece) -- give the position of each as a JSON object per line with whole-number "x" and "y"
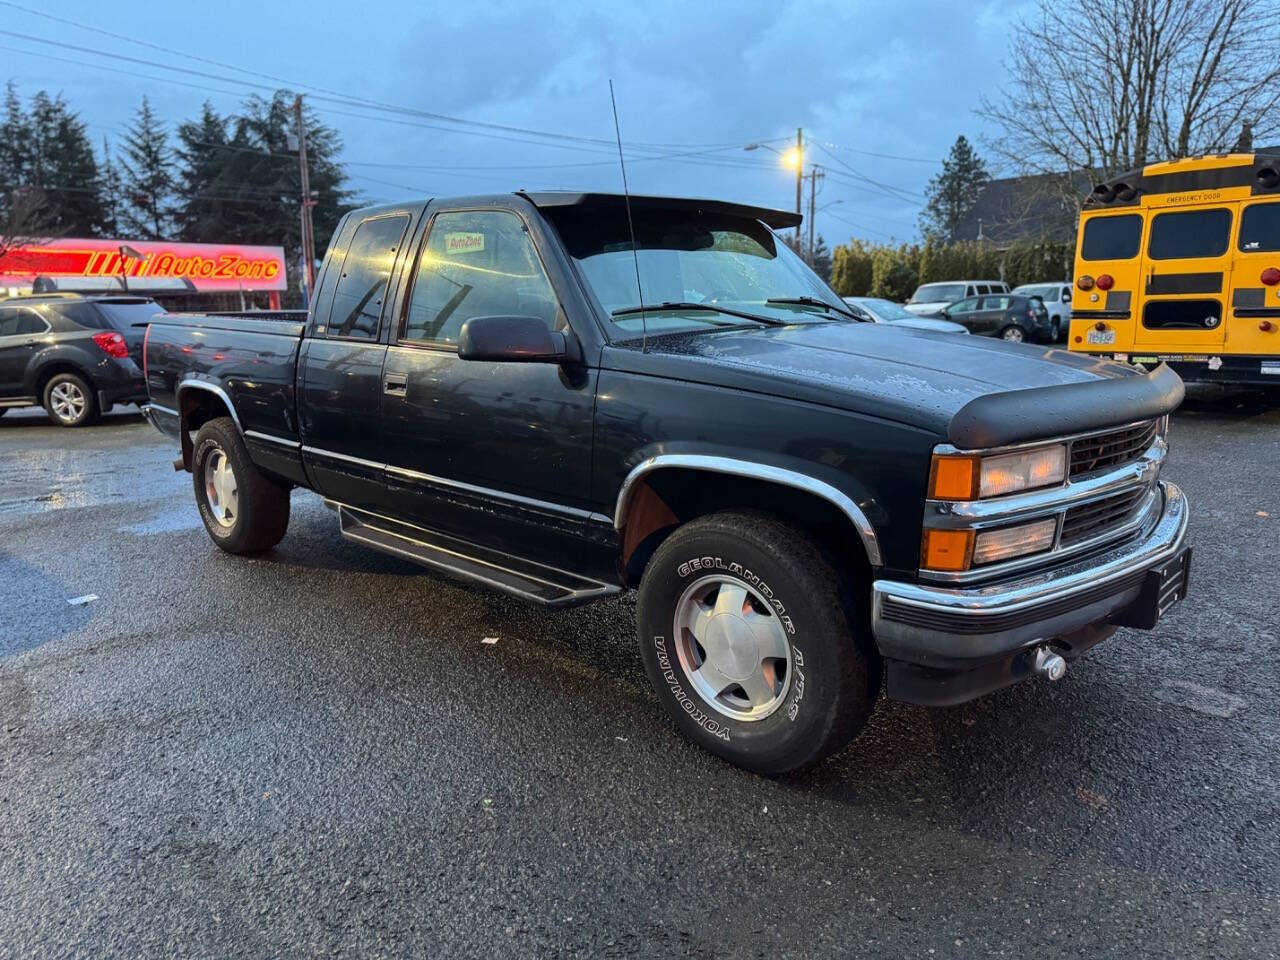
{"x": 518, "y": 576}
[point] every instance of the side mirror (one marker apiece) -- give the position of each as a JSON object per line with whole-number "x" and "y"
{"x": 516, "y": 340}
{"x": 944, "y": 312}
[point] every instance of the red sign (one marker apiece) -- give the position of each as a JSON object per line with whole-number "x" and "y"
{"x": 203, "y": 267}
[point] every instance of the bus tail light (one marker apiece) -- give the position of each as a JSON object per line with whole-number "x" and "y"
{"x": 1084, "y": 282}
{"x": 1106, "y": 281}
{"x": 1266, "y": 326}
{"x": 1271, "y": 276}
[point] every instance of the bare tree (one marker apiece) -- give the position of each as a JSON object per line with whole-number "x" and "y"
{"x": 22, "y": 220}
{"x": 1104, "y": 86}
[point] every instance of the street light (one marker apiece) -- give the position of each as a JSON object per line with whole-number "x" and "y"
{"x": 127, "y": 253}
{"x": 793, "y": 158}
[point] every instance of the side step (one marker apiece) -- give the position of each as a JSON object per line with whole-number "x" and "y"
{"x": 518, "y": 576}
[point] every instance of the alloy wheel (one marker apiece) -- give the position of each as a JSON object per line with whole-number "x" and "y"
{"x": 221, "y": 488}
{"x": 732, "y": 647}
{"x": 68, "y": 401}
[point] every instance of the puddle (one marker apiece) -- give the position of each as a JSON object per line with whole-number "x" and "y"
{"x": 1201, "y": 699}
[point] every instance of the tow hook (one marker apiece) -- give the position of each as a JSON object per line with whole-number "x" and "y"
{"x": 1046, "y": 663}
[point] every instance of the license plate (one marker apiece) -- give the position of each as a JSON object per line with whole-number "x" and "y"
{"x": 1161, "y": 588}
{"x": 1103, "y": 338}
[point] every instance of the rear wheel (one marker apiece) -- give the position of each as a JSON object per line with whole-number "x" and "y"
{"x": 1054, "y": 331}
{"x": 69, "y": 400}
{"x": 244, "y": 510}
{"x": 1013, "y": 333}
{"x": 755, "y": 643}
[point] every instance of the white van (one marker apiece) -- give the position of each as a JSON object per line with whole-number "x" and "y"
{"x": 930, "y": 298}
{"x": 1057, "y": 300}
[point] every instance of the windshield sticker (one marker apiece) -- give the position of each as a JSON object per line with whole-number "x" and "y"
{"x": 463, "y": 242}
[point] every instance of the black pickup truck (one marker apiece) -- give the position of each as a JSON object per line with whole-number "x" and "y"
{"x": 810, "y": 506}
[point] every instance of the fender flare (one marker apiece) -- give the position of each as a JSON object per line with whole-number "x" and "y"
{"x": 194, "y": 383}
{"x": 755, "y": 471}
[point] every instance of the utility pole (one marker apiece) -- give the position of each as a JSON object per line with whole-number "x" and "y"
{"x": 799, "y": 175}
{"x": 815, "y": 174}
{"x": 308, "y": 239}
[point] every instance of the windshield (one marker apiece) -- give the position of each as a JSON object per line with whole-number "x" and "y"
{"x": 888, "y": 310}
{"x": 689, "y": 258}
{"x": 933, "y": 292}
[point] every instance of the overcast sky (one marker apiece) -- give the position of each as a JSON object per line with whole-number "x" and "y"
{"x": 882, "y": 89}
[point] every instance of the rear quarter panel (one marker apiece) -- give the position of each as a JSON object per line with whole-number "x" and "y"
{"x": 253, "y": 361}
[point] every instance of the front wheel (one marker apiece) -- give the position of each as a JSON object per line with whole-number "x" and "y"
{"x": 69, "y": 400}
{"x": 755, "y": 643}
{"x": 1013, "y": 334}
{"x": 243, "y": 509}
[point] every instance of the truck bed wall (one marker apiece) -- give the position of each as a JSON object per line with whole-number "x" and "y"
{"x": 253, "y": 361}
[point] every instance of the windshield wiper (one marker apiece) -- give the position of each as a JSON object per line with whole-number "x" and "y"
{"x": 815, "y": 302}
{"x": 708, "y": 307}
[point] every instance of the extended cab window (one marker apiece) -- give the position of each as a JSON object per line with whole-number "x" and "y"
{"x": 1112, "y": 238}
{"x": 362, "y": 285}
{"x": 1260, "y": 228}
{"x": 476, "y": 263}
{"x": 1190, "y": 233}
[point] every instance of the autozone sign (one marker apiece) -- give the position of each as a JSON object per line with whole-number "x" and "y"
{"x": 205, "y": 267}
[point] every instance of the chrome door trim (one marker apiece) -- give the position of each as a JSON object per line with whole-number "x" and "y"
{"x": 755, "y": 471}
{"x": 407, "y": 474}
{"x": 192, "y": 383}
{"x": 282, "y": 441}
{"x": 358, "y": 461}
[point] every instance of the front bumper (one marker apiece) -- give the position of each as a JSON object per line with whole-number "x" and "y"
{"x": 952, "y": 630}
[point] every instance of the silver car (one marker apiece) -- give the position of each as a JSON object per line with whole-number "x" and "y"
{"x": 878, "y": 310}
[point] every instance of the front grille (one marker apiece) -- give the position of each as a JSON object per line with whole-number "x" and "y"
{"x": 1112, "y": 449}
{"x": 1095, "y": 519}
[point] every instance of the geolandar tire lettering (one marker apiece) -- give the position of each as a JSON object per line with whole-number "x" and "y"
{"x": 754, "y": 643}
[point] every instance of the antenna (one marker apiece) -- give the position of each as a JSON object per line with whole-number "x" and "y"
{"x": 626, "y": 196}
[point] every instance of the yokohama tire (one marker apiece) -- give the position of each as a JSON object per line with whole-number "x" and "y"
{"x": 243, "y": 509}
{"x": 831, "y": 676}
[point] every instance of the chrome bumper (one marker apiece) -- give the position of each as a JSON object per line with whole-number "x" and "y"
{"x": 951, "y": 627}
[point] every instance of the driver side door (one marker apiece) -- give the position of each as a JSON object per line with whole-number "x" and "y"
{"x": 965, "y": 312}
{"x": 497, "y": 453}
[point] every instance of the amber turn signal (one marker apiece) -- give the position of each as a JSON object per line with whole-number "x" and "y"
{"x": 953, "y": 478}
{"x": 947, "y": 550}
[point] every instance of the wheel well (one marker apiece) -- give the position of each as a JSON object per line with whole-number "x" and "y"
{"x": 196, "y": 407}
{"x": 50, "y": 371}
{"x": 665, "y": 498}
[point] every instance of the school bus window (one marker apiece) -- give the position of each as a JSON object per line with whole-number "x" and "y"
{"x": 1190, "y": 233}
{"x": 1112, "y": 238}
{"x": 1260, "y": 228}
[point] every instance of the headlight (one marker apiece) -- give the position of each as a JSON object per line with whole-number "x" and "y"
{"x": 958, "y": 477}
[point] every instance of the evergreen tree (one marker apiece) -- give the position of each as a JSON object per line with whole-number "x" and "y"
{"x": 820, "y": 260}
{"x": 148, "y": 176}
{"x": 59, "y": 162}
{"x": 15, "y": 139}
{"x": 206, "y": 167}
{"x": 112, "y": 193}
{"x": 952, "y": 193}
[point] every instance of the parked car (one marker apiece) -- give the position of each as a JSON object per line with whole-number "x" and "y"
{"x": 1003, "y": 315}
{"x": 75, "y": 356}
{"x": 930, "y": 298}
{"x": 878, "y": 310}
{"x": 1057, "y": 300}
{"x": 807, "y": 509}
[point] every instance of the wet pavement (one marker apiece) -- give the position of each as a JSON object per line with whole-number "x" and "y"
{"x": 313, "y": 753}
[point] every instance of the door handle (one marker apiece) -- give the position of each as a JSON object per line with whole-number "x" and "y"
{"x": 396, "y": 384}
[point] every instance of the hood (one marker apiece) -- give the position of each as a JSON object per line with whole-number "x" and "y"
{"x": 929, "y": 323}
{"x": 888, "y": 371}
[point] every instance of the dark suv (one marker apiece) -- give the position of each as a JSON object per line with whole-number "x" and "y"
{"x": 75, "y": 356}
{"x": 1004, "y": 315}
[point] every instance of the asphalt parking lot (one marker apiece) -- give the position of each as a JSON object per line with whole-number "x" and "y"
{"x": 313, "y": 753}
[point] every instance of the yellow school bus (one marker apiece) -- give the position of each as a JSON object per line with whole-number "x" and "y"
{"x": 1180, "y": 262}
